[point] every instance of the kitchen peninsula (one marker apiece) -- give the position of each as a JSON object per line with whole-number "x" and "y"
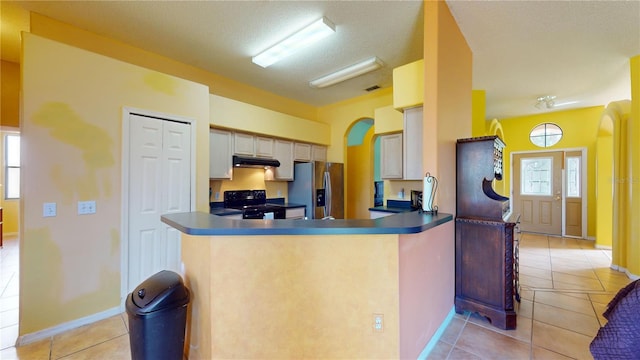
{"x": 367, "y": 288}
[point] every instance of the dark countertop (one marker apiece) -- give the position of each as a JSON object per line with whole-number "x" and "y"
{"x": 392, "y": 209}
{"x": 201, "y": 223}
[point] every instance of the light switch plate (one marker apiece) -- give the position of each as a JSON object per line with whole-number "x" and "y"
{"x": 48, "y": 209}
{"x": 86, "y": 207}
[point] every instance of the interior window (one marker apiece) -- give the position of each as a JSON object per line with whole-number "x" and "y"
{"x": 545, "y": 135}
{"x": 12, "y": 166}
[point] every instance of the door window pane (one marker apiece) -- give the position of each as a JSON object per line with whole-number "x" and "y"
{"x": 536, "y": 176}
{"x": 573, "y": 176}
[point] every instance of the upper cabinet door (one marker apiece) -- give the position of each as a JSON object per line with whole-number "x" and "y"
{"x": 284, "y": 153}
{"x": 243, "y": 144}
{"x": 264, "y": 147}
{"x": 413, "y": 144}
{"x": 391, "y": 156}
{"x": 220, "y": 146}
{"x": 318, "y": 153}
{"x": 302, "y": 152}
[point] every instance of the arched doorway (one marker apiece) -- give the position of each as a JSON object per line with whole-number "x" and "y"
{"x": 359, "y": 169}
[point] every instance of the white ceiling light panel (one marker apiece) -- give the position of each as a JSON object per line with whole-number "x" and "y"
{"x": 314, "y": 32}
{"x": 347, "y": 73}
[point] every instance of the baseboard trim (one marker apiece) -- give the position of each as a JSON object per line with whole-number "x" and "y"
{"x": 58, "y": 329}
{"x": 436, "y": 337}
{"x": 627, "y": 272}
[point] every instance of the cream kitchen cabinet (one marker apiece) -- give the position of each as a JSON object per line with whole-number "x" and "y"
{"x": 220, "y": 153}
{"x": 283, "y": 152}
{"x": 318, "y": 153}
{"x": 391, "y": 156}
{"x": 412, "y": 144}
{"x": 264, "y": 147}
{"x": 243, "y": 144}
{"x": 301, "y": 152}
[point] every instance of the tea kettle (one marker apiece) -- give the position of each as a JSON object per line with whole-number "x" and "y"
{"x": 430, "y": 185}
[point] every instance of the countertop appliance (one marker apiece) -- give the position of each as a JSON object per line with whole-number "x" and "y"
{"x": 320, "y": 187}
{"x": 253, "y": 204}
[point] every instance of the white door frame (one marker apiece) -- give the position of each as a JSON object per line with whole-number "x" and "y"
{"x": 124, "y": 218}
{"x": 583, "y": 184}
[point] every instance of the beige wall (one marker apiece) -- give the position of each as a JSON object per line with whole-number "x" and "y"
{"x": 299, "y": 298}
{"x": 72, "y": 140}
{"x": 447, "y": 99}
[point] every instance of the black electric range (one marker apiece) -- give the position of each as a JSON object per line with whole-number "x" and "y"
{"x": 253, "y": 204}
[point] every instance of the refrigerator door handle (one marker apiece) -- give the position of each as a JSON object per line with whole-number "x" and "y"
{"x": 327, "y": 190}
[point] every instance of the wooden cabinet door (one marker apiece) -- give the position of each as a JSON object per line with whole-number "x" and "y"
{"x": 220, "y": 145}
{"x": 391, "y": 156}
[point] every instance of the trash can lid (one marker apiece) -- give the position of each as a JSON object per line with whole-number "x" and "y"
{"x": 160, "y": 291}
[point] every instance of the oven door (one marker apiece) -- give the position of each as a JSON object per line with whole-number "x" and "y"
{"x": 252, "y": 214}
{"x": 264, "y": 213}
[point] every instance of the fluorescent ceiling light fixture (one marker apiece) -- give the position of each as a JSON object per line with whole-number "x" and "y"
{"x": 312, "y": 33}
{"x": 347, "y": 73}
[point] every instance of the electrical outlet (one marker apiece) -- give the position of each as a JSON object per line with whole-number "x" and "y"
{"x": 48, "y": 209}
{"x": 86, "y": 207}
{"x": 378, "y": 322}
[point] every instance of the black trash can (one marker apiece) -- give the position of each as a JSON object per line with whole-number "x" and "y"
{"x": 157, "y": 312}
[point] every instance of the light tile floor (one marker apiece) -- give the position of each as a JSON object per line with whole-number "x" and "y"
{"x": 566, "y": 284}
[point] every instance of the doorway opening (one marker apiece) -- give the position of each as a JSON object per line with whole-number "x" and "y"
{"x": 548, "y": 190}
{"x": 359, "y": 169}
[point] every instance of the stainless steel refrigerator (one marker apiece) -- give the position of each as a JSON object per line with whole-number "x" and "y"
{"x": 320, "y": 187}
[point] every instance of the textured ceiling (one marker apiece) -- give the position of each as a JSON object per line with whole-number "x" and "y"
{"x": 576, "y": 50}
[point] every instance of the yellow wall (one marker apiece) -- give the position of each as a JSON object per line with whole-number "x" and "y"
{"x": 408, "y": 82}
{"x": 580, "y": 129}
{"x": 10, "y": 94}
{"x": 233, "y": 114}
{"x": 340, "y": 116}
{"x": 218, "y": 85}
{"x": 614, "y": 115}
{"x": 387, "y": 120}
{"x": 632, "y": 216}
{"x": 71, "y": 132}
{"x": 359, "y": 194}
{"x": 479, "y": 124}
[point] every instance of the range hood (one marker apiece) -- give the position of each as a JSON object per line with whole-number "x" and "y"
{"x": 254, "y": 162}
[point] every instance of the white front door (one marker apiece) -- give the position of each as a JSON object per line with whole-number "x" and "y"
{"x": 159, "y": 183}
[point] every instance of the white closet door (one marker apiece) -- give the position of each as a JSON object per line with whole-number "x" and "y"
{"x": 159, "y": 183}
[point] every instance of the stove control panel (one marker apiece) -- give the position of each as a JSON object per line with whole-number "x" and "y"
{"x": 239, "y": 198}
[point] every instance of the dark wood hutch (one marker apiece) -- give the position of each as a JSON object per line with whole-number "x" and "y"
{"x": 486, "y": 249}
